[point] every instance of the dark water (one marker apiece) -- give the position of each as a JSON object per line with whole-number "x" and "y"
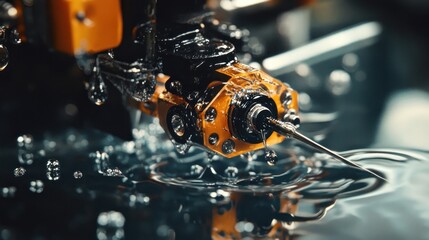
{"x": 90, "y": 185}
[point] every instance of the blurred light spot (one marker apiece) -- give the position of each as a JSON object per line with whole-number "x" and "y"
{"x": 71, "y": 109}
{"x": 339, "y": 82}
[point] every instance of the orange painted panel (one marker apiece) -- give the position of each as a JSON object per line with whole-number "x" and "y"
{"x": 85, "y": 25}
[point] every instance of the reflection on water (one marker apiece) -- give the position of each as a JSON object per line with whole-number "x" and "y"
{"x": 93, "y": 186}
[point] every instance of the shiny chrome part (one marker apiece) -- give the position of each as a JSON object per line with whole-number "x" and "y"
{"x": 289, "y": 130}
{"x": 253, "y": 114}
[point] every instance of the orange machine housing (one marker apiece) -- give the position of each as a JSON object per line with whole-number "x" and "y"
{"x": 85, "y": 25}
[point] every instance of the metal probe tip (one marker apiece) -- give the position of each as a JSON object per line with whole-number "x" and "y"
{"x": 289, "y": 130}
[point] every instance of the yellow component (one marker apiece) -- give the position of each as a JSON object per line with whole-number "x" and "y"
{"x": 85, "y": 25}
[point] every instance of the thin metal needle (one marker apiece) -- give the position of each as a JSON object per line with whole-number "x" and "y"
{"x": 289, "y": 130}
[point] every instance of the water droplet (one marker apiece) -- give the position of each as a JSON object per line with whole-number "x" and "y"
{"x": 271, "y": 157}
{"x": 8, "y": 192}
{"x": 231, "y": 172}
{"x": 78, "y": 174}
{"x": 101, "y": 160}
{"x": 4, "y": 57}
{"x": 97, "y": 89}
{"x": 182, "y": 148}
{"x": 142, "y": 89}
{"x": 53, "y": 170}
{"x": 19, "y": 172}
{"x": 213, "y": 138}
{"x": 228, "y": 146}
{"x": 211, "y": 114}
{"x": 178, "y": 125}
{"x": 339, "y": 82}
{"x": 36, "y": 186}
{"x": 110, "y": 225}
{"x": 114, "y": 172}
{"x": 196, "y": 169}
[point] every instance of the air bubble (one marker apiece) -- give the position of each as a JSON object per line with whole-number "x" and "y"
{"x": 36, "y": 186}
{"x": 78, "y": 175}
{"x": 19, "y": 172}
{"x": 53, "y": 170}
